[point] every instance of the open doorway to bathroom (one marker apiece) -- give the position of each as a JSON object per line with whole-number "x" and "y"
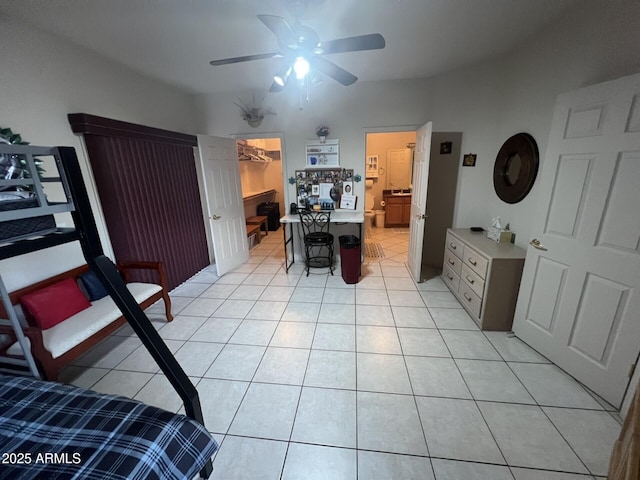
{"x": 261, "y": 177}
{"x": 388, "y": 184}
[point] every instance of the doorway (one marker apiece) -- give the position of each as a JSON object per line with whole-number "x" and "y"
{"x": 389, "y": 168}
{"x": 261, "y": 173}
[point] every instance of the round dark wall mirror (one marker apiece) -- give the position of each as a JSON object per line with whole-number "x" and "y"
{"x": 513, "y": 169}
{"x": 516, "y": 168}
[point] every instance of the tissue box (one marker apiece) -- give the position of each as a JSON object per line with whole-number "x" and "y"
{"x": 506, "y": 237}
{"x": 502, "y": 236}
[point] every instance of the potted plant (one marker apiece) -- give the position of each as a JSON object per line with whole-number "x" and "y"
{"x": 322, "y": 132}
{"x": 253, "y": 113}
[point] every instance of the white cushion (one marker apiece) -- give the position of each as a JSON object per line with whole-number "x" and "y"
{"x": 74, "y": 330}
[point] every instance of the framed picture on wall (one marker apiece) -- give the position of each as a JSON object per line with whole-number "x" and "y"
{"x": 469, "y": 160}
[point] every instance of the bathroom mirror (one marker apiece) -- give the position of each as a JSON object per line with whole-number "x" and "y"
{"x": 516, "y": 167}
{"x": 399, "y": 168}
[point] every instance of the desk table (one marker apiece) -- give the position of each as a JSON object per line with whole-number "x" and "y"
{"x": 339, "y": 217}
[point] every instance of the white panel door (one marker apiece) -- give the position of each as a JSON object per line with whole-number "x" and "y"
{"x": 579, "y": 300}
{"x": 221, "y": 171}
{"x": 419, "y": 198}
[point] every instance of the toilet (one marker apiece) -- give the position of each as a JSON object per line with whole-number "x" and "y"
{"x": 369, "y": 213}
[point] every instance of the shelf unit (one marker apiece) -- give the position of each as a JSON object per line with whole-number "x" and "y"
{"x": 86, "y": 232}
{"x": 323, "y": 155}
{"x": 253, "y": 195}
{"x": 371, "y": 167}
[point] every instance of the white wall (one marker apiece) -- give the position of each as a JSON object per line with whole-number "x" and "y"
{"x": 346, "y": 110}
{"x": 588, "y": 45}
{"x": 42, "y": 79}
{"x": 489, "y": 102}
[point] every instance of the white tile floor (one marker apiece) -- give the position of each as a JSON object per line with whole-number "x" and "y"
{"x": 309, "y": 378}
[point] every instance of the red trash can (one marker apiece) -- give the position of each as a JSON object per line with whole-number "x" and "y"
{"x": 350, "y": 258}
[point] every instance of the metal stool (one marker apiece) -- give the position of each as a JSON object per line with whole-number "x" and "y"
{"x": 318, "y": 242}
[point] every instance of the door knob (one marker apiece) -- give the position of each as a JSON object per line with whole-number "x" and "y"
{"x": 421, "y": 216}
{"x": 215, "y": 217}
{"x": 535, "y": 243}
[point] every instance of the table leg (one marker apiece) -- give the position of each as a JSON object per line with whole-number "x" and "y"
{"x": 361, "y": 247}
{"x": 287, "y": 265}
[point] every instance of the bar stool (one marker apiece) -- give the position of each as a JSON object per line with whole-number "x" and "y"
{"x": 318, "y": 242}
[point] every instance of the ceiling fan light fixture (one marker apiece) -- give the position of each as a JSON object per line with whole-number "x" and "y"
{"x": 301, "y": 67}
{"x": 282, "y": 77}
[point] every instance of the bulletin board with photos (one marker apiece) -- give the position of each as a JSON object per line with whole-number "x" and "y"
{"x": 323, "y": 187}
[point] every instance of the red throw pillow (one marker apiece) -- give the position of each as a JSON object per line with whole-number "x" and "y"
{"x": 51, "y": 305}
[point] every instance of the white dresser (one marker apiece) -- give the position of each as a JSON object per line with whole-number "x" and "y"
{"x": 484, "y": 276}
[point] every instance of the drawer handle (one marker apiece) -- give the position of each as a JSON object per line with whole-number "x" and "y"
{"x": 451, "y": 262}
{"x": 449, "y": 277}
{"x": 472, "y": 262}
{"x": 453, "y": 246}
{"x": 467, "y": 297}
{"x": 470, "y": 280}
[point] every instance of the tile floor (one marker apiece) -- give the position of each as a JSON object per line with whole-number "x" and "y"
{"x": 309, "y": 378}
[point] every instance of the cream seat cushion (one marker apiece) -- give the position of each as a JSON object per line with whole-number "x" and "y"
{"x": 76, "y": 329}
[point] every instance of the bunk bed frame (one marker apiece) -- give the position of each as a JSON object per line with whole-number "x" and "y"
{"x": 85, "y": 231}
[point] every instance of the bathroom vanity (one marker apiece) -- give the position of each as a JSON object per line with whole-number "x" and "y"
{"x": 397, "y": 209}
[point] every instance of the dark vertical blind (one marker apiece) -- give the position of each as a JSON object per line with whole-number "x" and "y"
{"x": 149, "y": 194}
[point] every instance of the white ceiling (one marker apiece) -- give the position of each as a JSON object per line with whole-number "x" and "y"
{"x": 174, "y": 40}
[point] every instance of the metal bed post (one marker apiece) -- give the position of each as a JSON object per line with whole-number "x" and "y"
{"x": 108, "y": 274}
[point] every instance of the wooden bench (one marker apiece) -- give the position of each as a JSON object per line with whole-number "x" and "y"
{"x": 58, "y": 346}
{"x": 259, "y": 220}
{"x": 253, "y": 230}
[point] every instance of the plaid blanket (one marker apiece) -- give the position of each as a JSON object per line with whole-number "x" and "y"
{"x": 54, "y": 431}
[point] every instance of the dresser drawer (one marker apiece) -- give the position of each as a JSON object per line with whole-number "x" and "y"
{"x": 470, "y": 299}
{"x": 475, "y": 261}
{"x": 450, "y": 278}
{"x": 454, "y": 245}
{"x": 453, "y": 262}
{"x": 473, "y": 280}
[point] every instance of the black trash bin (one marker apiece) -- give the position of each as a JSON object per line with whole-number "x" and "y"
{"x": 350, "y": 258}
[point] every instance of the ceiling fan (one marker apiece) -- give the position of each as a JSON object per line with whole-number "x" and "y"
{"x": 303, "y": 51}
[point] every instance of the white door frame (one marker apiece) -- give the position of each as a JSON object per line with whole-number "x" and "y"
{"x": 365, "y": 131}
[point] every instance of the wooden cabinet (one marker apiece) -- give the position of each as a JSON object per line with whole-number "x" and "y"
{"x": 397, "y": 211}
{"x": 484, "y": 276}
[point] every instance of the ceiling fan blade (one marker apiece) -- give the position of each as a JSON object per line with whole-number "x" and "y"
{"x": 246, "y": 58}
{"x": 373, "y": 41}
{"x": 279, "y": 27}
{"x": 334, "y": 71}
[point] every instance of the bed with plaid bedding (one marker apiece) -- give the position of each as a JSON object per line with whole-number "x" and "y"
{"x": 49, "y": 430}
